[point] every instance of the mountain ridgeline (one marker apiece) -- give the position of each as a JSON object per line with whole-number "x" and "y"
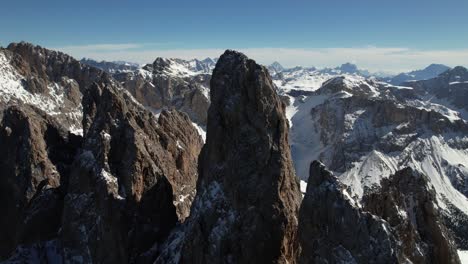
{"x": 103, "y": 166}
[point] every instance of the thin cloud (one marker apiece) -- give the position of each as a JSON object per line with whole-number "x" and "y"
{"x": 111, "y": 47}
{"x": 389, "y": 59}
{"x": 100, "y": 47}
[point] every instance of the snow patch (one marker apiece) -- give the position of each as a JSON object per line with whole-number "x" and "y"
{"x": 463, "y": 256}
{"x": 13, "y": 91}
{"x": 201, "y": 130}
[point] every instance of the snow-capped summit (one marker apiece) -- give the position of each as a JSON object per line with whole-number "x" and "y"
{"x": 349, "y": 68}
{"x": 275, "y": 67}
{"x": 210, "y": 62}
{"x": 180, "y": 68}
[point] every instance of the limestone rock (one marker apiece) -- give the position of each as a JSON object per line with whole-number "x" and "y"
{"x": 333, "y": 228}
{"x": 247, "y": 194}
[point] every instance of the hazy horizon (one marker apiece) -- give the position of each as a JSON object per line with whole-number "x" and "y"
{"x": 394, "y": 36}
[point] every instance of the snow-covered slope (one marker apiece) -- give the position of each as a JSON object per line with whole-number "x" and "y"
{"x": 310, "y": 79}
{"x": 183, "y": 68}
{"x": 365, "y": 130}
{"x": 57, "y": 100}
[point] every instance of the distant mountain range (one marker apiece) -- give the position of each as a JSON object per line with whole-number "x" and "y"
{"x": 429, "y": 72}
{"x": 111, "y": 66}
{"x": 198, "y": 66}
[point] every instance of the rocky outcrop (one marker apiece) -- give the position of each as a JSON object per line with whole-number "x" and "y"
{"x": 398, "y": 223}
{"x": 34, "y": 162}
{"x": 49, "y": 80}
{"x": 43, "y": 66}
{"x": 333, "y": 228}
{"x": 409, "y": 205}
{"x": 247, "y": 194}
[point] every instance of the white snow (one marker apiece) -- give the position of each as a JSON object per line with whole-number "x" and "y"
{"x": 205, "y": 91}
{"x": 179, "y": 146}
{"x": 76, "y": 131}
{"x": 106, "y": 136}
{"x": 303, "y": 186}
{"x": 440, "y": 106}
{"x": 369, "y": 171}
{"x": 453, "y": 83}
{"x": 147, "y": 75}
{"x": 201, "y": 130}
{"x": 463, "y": 256}
{"x": 182, "y": 68}
{"x": 111, "y": 183}
{"x": 305, "y": 141}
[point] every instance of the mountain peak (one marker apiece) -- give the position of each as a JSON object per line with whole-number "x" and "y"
{"x": 246, "y": 153}
{"x": 208, "y": 60}
{"x": 431, "y": 71}
{"x": 276, "y": 66}
{"x": 436, "y": 66}
{"x": 348, "y": 68}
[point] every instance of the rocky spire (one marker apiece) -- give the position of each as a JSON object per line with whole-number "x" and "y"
{"x": 133, "y": 181}
{"x": 247, "y": 194}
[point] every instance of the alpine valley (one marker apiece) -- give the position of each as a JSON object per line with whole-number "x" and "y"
{"x": 228, "y": 161}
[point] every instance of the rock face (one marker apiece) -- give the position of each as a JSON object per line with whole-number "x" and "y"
{"x": 398, "y": 223}
{"x": 133, "y": 181}
{"x": 172, "y": 84}
{"x": 409, "y": 205}
{"x": 36, "y": 155}
{"x": 334, "y": 229}
{"x": 449, "y": 89}
{"x": 49, "y": 80}
{"x": 109, "y": 196}
{"x": 247, "y": 194}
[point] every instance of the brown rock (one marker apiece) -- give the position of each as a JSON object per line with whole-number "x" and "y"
{"x": 334, "y": 229}
{"x": 36, "y": 156}
{"x": 247, "y": 194}
{"x": 134, "y": 180}
{"x": 409, "y": 205}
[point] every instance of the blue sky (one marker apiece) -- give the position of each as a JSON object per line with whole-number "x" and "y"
{"x": 361, "y": 31}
